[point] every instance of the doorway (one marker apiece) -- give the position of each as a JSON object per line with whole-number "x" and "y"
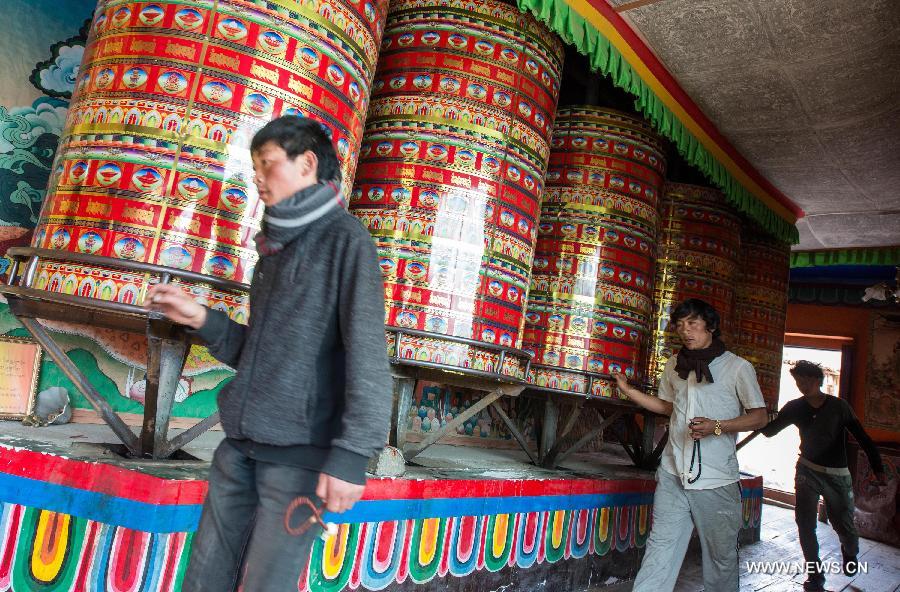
{"x": 775, "y": 458}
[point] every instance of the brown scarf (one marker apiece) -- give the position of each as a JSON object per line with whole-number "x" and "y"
{"x": 698, "y": 360}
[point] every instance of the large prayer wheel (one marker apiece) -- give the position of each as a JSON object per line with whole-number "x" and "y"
{"x": 450, "y": 176}
{"x": 761, "y": 309}
{"x": 699, "y": 253}
{"x": 153, "y": 166}
{"x": 590, "y": 303}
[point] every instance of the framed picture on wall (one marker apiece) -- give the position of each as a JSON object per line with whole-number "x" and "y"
{"x": 883, "y": 378}
{"x": 20, "y": 364}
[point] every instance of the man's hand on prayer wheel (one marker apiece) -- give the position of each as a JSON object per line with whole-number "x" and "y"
{"x": 176, "y": 305}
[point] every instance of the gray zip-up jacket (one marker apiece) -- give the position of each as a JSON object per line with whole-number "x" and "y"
{"x": 313, "y": 385}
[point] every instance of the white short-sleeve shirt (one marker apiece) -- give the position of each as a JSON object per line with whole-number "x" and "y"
{"x": 734, "y": 390}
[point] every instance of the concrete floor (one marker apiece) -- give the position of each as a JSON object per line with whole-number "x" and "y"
{"x": 778, "y": 542}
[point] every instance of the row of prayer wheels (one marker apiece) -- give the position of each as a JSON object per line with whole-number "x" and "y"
{"x": 516, "y": 238}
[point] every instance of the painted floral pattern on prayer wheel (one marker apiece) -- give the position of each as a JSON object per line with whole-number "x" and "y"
{"x": 761, "y": 309}
{"x": 153, "y": 166}
{"x": 451, "y": 172}
{"x": 590, "y": 301}
{"x": 699, "y": 253}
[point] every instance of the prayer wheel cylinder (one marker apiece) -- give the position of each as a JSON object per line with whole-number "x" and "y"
{"x": 451, "y": 172}
{"x": 153, "y": 165}
{"x": 761, "y": 309}
{"x": 699, "y": 253}
{"x": 590, "y": 302}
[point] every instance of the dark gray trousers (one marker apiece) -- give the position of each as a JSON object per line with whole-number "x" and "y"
{"x": 837, "y": 491}
{"x": 242, "y": 526}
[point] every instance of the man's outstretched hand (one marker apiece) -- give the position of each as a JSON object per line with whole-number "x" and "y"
{"x": 338, "y": 496}
{"x": 176, "y": 305}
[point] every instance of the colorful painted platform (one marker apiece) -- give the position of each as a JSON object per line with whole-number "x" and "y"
{"x": 73, "y": 525}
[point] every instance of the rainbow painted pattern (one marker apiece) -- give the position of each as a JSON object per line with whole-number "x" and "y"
{"x": 78, "y": 526}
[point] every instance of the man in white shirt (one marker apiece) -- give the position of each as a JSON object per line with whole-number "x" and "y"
{"x": 710, "y": 395}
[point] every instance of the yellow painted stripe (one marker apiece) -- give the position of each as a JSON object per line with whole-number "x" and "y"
{"x": 559, "y": 521}
{"x": 334, "y": 553}
{"x": 51, "y": 542}
{"x": 608, "y": 30}
{"x": 428, "y": 543}
{"x": 501, "y": 526}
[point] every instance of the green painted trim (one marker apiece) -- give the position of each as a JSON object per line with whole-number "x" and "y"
{"x": 874, "y": 256}
{"x": 576, "y": 31}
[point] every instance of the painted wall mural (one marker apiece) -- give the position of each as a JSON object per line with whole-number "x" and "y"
{"x": 73, "y": 525}
{"x": 36, "y": 85}
{"x": 883, "y": 386}
{"x": 434, "y": 405}
{"x": 38, "y": 78}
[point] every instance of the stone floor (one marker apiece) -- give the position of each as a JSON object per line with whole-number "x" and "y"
{"x": 778, "y": 542}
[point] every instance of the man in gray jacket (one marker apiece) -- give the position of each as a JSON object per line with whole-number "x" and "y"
{"x": 311, "y": 400}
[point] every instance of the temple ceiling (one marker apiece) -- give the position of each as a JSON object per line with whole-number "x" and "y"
{"x": 807, "y": 90}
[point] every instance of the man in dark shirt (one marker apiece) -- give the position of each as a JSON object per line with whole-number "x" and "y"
{"x": 822, "y": 467}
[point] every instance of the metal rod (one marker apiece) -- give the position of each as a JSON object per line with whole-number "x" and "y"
{"x": 96, "y": 260}
{"x": 30, "y": 271}
{"x": 514, "y": 430}
{"x": 13, "y": 271}
{"x": 179, "y": 441}
{"x": 73, "y": 300}
{"x": 462, "y": 340}
{"x": 456, "y": 369}
{"x": 590, "y": 375}
{"x": 83, "y": 384}
{"x": 455, "y": 422}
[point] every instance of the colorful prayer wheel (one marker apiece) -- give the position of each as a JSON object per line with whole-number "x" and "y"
{"x": 153, "y": 167}
{"x": 761, "y": 309}
{"x": 698, "y": 256}
{"x": 450, "y": 176}
{"x": 590, "y": 301}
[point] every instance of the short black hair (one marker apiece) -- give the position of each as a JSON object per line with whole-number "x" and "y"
{"x": 297, "y": 135}
{"x": 807, "y": 369}
{"x": 694, "y": 307}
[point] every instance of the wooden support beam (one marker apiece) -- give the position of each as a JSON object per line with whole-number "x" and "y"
{"x": 514, "y": 430}
{"x": 166, "y": 354}
{"x": 549, "y": 425}
{"x": 653, "y": 460}
{"x": 648, "y": 435}
{"x": 632, "y": 454}
{"x": 450, "y": 427}
{"x": 179, "y": 441}
{"x": 404, "y": 389}
{"x": 82, "y": 383}
{"x": 550, "y": 457}
{"x": 589, "y": 436}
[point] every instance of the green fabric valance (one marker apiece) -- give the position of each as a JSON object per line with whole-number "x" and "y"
{"x": 605, "y": 58}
